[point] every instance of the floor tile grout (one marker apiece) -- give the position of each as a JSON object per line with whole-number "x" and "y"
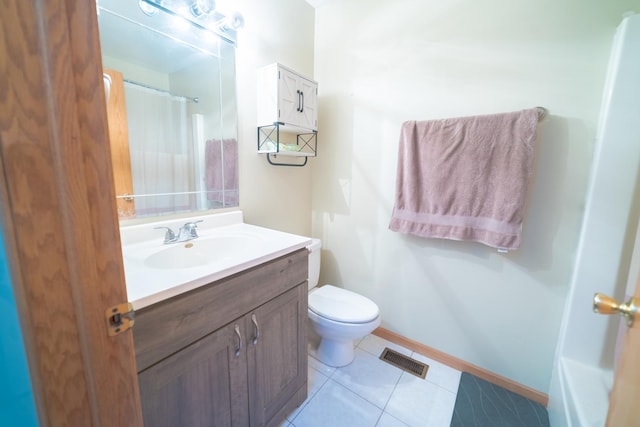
{"x": 330, "y": 374}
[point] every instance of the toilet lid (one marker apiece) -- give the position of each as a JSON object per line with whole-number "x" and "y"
{"x": 342, "y": 305}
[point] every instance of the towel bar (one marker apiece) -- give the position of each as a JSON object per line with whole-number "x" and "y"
{"x": 542, "y": 113}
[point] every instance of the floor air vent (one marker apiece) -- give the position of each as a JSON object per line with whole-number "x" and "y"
{"x": 405, "y": 363}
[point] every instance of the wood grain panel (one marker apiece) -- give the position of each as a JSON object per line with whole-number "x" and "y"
{"x": 278, "y": 360}
{"x": 119, "y": 141}
{"x": 166, "y": 327}
{"x": 112, "y": 359}
{"x": 59, "y": 216}
{"x": 203, "y": 385}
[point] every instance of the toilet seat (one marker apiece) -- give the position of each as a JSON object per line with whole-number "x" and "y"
{"x": 341, "y": 305}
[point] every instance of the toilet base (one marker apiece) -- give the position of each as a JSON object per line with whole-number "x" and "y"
{"x": 336, "y": 353}
{"x": 336, "y": 338}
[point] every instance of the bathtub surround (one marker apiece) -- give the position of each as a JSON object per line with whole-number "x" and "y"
{"x": 585, "y": 359}
{"x": 465, "y": 178}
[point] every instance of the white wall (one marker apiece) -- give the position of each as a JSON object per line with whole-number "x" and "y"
{"x": 380, "y": 63}
{"x": 275, "y": 31}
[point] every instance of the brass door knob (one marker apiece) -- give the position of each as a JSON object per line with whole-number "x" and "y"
{"x": 604, "y": 304}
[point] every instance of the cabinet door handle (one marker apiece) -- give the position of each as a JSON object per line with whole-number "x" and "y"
{"x": 256, "y": 329}
{"x": 239, "y": 347}
{"x": 302, "y": 103}
{"x": 299, "y": 104}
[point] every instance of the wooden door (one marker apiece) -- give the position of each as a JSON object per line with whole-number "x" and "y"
{"x": 58, "y": 214}
{"x": 277, "y": 357}
{"x": 119, "y": 142}
{"x": 623, "y": 403}
{"x": 205, "y": 384}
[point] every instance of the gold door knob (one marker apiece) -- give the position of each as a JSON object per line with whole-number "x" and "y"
{"x": 604, "y": 304}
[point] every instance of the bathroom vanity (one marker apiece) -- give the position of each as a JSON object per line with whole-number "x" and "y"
{"x": 232, "y": 351}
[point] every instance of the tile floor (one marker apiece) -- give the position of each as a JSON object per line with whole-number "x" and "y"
{"x": 370, "y": 392}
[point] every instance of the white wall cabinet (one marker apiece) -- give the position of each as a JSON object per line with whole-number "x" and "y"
{"x": 286, "y": 97}
{"x": 287, "y": 114}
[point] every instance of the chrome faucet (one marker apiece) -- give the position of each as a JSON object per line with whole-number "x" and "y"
{"x": 185, "y": 233}
{"x": 188, "y": 231}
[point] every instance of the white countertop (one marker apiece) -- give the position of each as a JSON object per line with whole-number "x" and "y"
{"x": 147, "y": 285}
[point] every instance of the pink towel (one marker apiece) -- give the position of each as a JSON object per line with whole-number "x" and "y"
{"x": 465, "y": 178}
{"x": 221, "y": 171}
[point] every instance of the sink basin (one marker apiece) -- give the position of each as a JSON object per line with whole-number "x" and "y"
{"x": 155, "y": 272}
{"x": 197, "y": 252}
{"x": 209, "y": 251}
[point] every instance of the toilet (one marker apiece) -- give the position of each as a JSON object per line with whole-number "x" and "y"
{"x": 338, "y": 316}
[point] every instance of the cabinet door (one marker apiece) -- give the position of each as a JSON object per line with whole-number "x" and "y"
{"x": 204, "y": 384}
{"x": 277, "y": 352}
{"x": 289, "y": 98}
{"x": 308, "y": 115}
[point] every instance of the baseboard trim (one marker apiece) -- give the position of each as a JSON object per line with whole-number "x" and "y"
{"x": 461, "y": 365}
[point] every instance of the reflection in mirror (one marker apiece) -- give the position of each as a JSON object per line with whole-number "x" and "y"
{"x": 171, "y": 110}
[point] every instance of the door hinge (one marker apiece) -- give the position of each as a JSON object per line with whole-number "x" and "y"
{"x": 119, "y": 318}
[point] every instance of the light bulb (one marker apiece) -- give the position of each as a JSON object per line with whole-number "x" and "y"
{"x": 235, "y": 21}
{"x": 147, "y": 8}
{"x": 203, "y": 7}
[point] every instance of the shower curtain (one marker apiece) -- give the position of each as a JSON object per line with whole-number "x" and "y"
{"x": 160, "y": 152}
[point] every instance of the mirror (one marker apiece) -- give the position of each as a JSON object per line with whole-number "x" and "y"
{"x": 171, "y": 110}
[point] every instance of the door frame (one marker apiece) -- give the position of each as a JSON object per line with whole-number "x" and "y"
{"x": 58, "y": 214}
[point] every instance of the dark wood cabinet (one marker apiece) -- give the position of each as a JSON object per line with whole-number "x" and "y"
{"x": 202, "y": 385}
{"x": 277, "y": 361}
{"x": 246, "y": 370}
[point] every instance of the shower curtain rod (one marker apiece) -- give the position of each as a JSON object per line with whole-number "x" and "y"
{"x": 132, "y": 82}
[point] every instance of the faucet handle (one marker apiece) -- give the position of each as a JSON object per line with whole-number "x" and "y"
{"x": 169, "y": 236}
{"x": 190, "y": 227}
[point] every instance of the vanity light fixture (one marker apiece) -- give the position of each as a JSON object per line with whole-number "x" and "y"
{"x": 147, "y": 8}
{"x": 202, "y": 7}
{"x": 234, "y": 22}
{"x": 203, "y": 14}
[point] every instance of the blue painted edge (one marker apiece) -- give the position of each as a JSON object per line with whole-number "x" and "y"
{"x": 17, "y": 407}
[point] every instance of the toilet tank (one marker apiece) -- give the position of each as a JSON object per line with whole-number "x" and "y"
{"x": 314, "y": 262}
